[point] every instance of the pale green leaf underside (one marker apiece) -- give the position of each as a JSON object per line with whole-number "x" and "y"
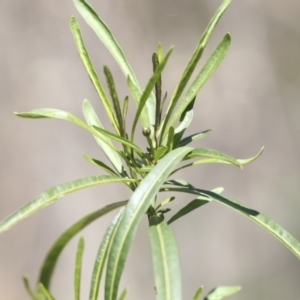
{"x": 166, "y": 263}
{"x": 77, "y": 271}
{"x": 53, "y": 254}
{"x": 54, "y": 193}
{"x": 135, "y": 210}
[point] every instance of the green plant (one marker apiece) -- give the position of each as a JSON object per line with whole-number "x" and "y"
{"x": 145, "y": 173}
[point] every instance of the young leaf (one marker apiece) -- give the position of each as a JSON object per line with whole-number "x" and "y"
{"x": 102, "y": 255}
{"x": 222, "y": 292}
{"x": 90, "y": 70}
{"x": 28, "y": 289}
{"x": 99, "y": 164}
{"x": 53, "y": 254}
{"x": 193, "y": 137}
{"x": 153, "y": 80}
{"x": 77, "y": 272}
{"x": 208, "y": 69}
{"x": 187, "y": 209}
{"x": 42, "y": 290}
{"x": 166, "y": 263}
{"x": 92, "y": 120}
{"x": 159, "y": 52}
{"x": 123, "y": 295}
{"x": 192, "y": 65}
{"x": 198, "y": 293}
{"x": 135, "y": 210}
{"x": 53, "y": 194}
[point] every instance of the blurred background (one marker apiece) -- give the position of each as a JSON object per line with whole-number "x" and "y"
{"x": 251, "y": 101}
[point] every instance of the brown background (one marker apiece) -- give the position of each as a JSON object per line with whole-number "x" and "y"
{"x": 252, "y": 100}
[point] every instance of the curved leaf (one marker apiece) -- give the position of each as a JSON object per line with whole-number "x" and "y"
{"x": 54, "y": 193}
{"x": 53, "y": 254}
{"x": 222, "y": 292}
{"x": 100, "y": 164}
{"x": 102, "y": 255}
{"x": 192, "y": 65}
{"x": 166, "y": 263}
{"x": 92, "y": 120}
{"x": 193, "y": 137}
{"x": 90, "y": 70}
{"x": 78, "y": 264}
{"x": 135, "y": 209}
{"x": 194, "y": 204}
{"x": 208, "y": 69}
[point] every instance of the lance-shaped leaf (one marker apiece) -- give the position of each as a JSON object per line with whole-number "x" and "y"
{"x": 92, "y": 120}
{"x": 208, "y": 69}
{"x": 166, "y": 263}
{"x": 90, "y": 70}
{"x": 45, "y": 113}
{"x": 100, "y": 164}
{"x": 222, "y": 292}
{"x": 135, "y": 209}
{"x": 198, "y": 293}
{"x": 107, "y": 38}
{"x": 102, "y": 255}
{"x": 193, "y": 137}
{"x": 44, "y": 293}
{"x": 54, "y": 193}
{"x": 187, "y": 209}
{"x": 77, "y": 272}
{"x": 192, "y": 65}
{"x": 53, "y": 254}
{"x": 29, "y": 290}
{"x": 123, "y": 295}
{"x": 154, "y": 78}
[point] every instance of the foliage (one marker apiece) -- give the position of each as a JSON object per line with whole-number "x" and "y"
{"x": 145, "y": 173}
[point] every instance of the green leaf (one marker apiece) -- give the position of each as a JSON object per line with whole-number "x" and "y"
{"x": 53, "y": 194}
{"x": 77, "y": 272}
{"x": 92, "y": 120}
{"x": 102, "y": 255}
{"x": 160, "y": 152}
{"x": 123, "y": 295}
{"x": 193, "y": 137}
{"x": 135, "y": 210}
{"x": 100, "y": 164}
{"x": 192, "y": 65}
{"x": 145, "y": 96}
{"x": 159, "y": 52}
{"x": 170, "y": 139}
{"x": 222, "y": 292}
{"x": 166, "y": 263}
{"x": 198, "y": 293}
{"x": 187, "y": 209}
{"x": 90, "y": 70}
{"x": 208, "y": 69}
{"x": 119, "y": 139}
{"x": 269, "y": 225}
{"x": 42, "y": 290}
{"x": 53, "y": 254}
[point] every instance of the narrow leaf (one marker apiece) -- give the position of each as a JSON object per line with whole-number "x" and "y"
{"x": 192, "y": 65}
{"x": 90, "y": 69}
{"x": 123, "y": 295}
{"x": 100, "y": 164}
{"x": 78, "y": 265}
{"x": 166, "y": 263}
{"x": 45, "y": 292}
{"x": 28, "y": 289}
{"x": 135, "y": 210}
{"x": 154, "y": 78}
{"x": 208, "y": 69}
{"x": 92, "y": 120}
{"x": 102, "y": 255}
{"x": 193, "y": 137}
{"x": 198, "y": 293}
{"x": 53, "y": 254}
{"x": 222, "y": 292}
{"x": 187, "y": 209}
{"x": 53, "y": 194}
